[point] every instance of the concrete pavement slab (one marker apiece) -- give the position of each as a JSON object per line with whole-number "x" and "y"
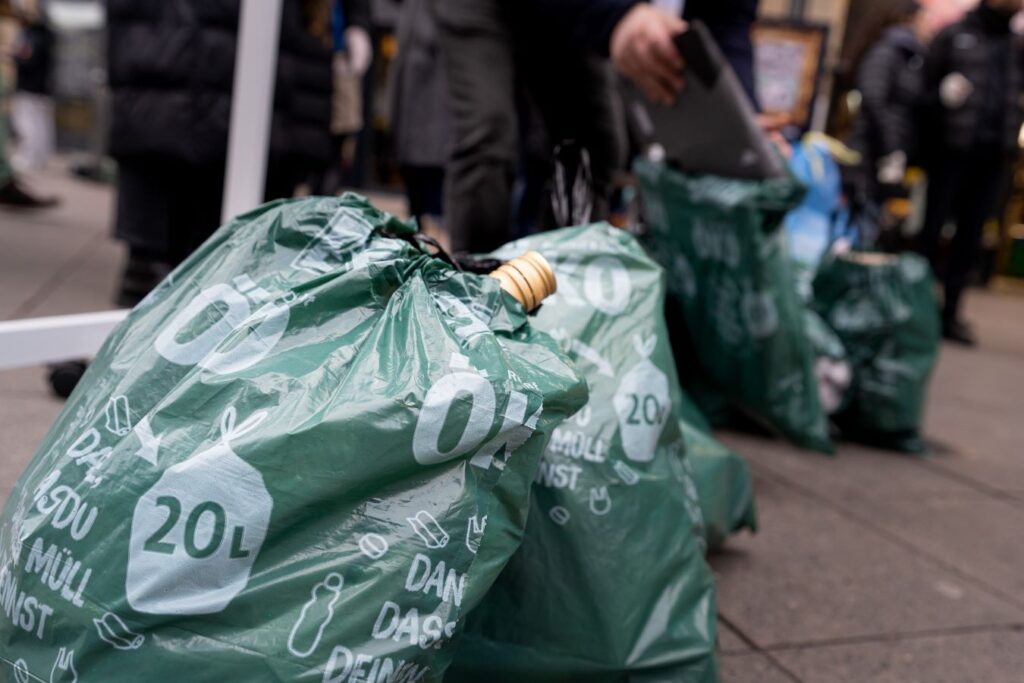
{"x": 32, "y": 256}
{"x": 753, "y": 668}
{"x": 812, "y": 574}
{"x": 977, "y": 535}
{"x": 977, "y": 377}
{"x": 992, "y": 657}
{"x": 729, "y": 641}
{"x": 854, "y": 473}
{"x": 987, "y": 446}
{"x": 26, "y": 382}
{"x": 969, "y": 529}
{"x": 84, "y": 205}
{"x": 89, "y": 286}
{"x": 996, "y": 317}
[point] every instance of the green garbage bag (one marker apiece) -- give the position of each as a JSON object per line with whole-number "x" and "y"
{"x": 610, "y": 583}
{"x": 721, "y": 244}
{"x": 724, "y": 485}
{"x": 831, "y": 363}
{"x": 883, "y": 308}
{"x": 285, "y": 464}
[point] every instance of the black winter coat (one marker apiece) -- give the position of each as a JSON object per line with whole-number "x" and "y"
{"x": 171, "y": 70}
{"x": 889, "y": 80}
{"x": 981, "y": 48}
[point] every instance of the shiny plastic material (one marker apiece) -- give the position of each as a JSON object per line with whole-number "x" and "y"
{"x": 724, "y": 485}
{"x": 610, "y": 583}
{"x": 304, "y": 457}
{"x": 721, "y": 244}
{"x": 883, "y": 308}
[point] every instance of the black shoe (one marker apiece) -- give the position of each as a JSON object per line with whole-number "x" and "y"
{"x": 64, "y": 377}
{"x": 958, "y": 333}
{"x": 13, "y": 195}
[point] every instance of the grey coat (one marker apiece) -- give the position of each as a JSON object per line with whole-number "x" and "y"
{"x": 419, "y": 97}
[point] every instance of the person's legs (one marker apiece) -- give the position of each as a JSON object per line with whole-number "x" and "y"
{"x": 32, "y": 116}
{"x": 573, "y": 92}
{"x": 977, "y": 200}
{"x": 424, "y": 186}
{"x": 142, "y": 221}
{"x": 943, "y": 183}
{"x": 11, "y": 192}
{"x": 475, "y": 41}
{"x": 195, "y": 213}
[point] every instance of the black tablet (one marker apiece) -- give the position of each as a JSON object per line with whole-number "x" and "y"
{"x": 712, "y": 126}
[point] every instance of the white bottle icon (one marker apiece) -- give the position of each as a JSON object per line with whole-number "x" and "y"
{"x": 642, "y": 404}
{"x": 316, "y": 614}
{"x": 196, "y": 533}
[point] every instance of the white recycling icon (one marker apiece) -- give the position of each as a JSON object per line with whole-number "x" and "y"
{"x": 196, "y": 533}
{"x": 642, "y": 404}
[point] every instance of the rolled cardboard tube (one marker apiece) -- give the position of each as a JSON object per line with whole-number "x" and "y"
{"x": 529, "y": 278}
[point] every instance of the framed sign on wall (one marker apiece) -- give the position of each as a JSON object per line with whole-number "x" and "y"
{"x": 788, "y": 61}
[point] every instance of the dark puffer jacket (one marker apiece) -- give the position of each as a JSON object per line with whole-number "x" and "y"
{"x": 889, "y": 79}
{"x": 982, "y": 49}
{"x": 171, "y": 69}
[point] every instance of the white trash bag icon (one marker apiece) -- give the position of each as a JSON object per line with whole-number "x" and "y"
{"x": 196, "y": 533}
{"x": 642, "y": 404}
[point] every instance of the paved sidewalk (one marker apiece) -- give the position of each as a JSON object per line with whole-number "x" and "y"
{"x": 870, "y": 567}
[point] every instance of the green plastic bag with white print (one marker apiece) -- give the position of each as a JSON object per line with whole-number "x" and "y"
{"x": 884, "y": 310}
{"x": 610, "y": 583}
{"x": 721, "y": 244}
{"x": 725, "y": 487}
{"x": 283, "y": 465}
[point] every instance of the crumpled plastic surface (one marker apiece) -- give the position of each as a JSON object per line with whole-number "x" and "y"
{"x": 883, "y": 309}
{"x": 721, "y": 243}
{"x": 610, "y": 583}
{"x": 306, "y": 455}
{"x": 724, "y": 484}
{"x": 831, "y": 363}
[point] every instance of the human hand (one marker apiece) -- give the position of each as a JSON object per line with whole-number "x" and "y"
{"x": 642, "y": 49}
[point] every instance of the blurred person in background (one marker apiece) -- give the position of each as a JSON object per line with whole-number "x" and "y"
{"x": 12, "y": 193}
{"x": 554, "y": 49}
{"x": 353, "y": 52}
{"x": 171, "y": 70}
{"x": 974, "y": 81}
{"x": 32, "y": 104}
{"x": 419, "y": 115}
{"x": 888, "y": 71}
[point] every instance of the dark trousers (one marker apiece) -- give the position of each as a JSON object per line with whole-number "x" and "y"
{"x": 166, "y": 208}
{"x": 963, "y": 186}
{"x": 424, "y": 187}
{"x": 487, "y": 52}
